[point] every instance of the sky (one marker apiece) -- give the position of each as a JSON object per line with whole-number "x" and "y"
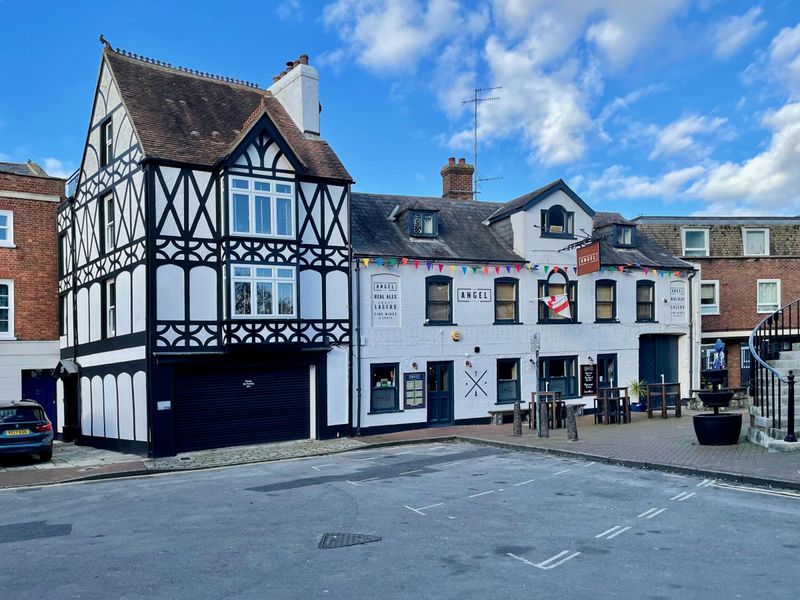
{"x": 658, "y": 107}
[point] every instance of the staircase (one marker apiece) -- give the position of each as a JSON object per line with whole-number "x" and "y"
{"x": 775, "y": 350}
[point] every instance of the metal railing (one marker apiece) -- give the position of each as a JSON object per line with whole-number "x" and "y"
{"x": 775, "y": 334}
{"x": 71, "y": 185}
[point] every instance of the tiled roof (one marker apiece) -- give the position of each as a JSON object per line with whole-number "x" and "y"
{"x": 187, "y": 117}
{"x": 647, "y": 253}
{"x": 531, "y": 198}
{"x": 30, "y": 169}
{"x": 462, "y": 234}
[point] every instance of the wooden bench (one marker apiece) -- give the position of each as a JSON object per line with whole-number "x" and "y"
{"x": 497, "y": 414}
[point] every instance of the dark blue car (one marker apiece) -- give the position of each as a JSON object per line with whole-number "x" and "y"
{"x": 25, "y": 429}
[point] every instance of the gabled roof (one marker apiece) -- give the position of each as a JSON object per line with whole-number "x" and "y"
{"x": 187, "y": 117}
{"x": 646, "y": 253}
{"x": 530, "y": 199}
{"x": 462, "y": 233}
{"x": 29, "y": 169}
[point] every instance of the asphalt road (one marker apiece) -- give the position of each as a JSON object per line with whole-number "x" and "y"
{"x": 455, "y": 521}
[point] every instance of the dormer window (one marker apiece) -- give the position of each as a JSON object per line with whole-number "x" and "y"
{"x": 557, "y": 222}
{"x": 624, "y": 236}
{"x": 423, "y": 223}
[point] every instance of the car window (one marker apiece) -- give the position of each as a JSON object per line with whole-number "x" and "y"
{"x": 21, "y": 415}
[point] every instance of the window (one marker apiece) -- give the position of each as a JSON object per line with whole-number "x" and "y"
{"x": 709, "y": 297}
{"x": 111, "y": 308}
{"x": 383, "y": 387}
{"x": 605, "y": 301}
{"x": 414, "y": 390}
{"x": 756, "y": 242}
{"x": 744, "y": 364}
{"x": 6, "y": 229}
{"x": 506, "y": 300}
{"x": 6, "y": 309}
{"x": 109, "y": 228}
{"x": 624, "y": 236}
{"x": 559, "y": 374}
{"x": 769, "y": 295}
{"x": 423, "y": 223}
{"x": 645, "y": 301}
{"x": 264, "y": 208}
{"x": 438, "y": 301}
{"x": 62, "y": 315}
{"x": 508, "y": 380}
{"x": 263, "y": 291}
{"x": 555, "y": 285}
{"x": 106, "y": 142}
{"x": 63, "y": 249}
{"x": 557, "y": 222}
{"x": 695, "y": 242}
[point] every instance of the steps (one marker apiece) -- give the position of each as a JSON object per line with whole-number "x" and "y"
{"x": 761, "y": 431}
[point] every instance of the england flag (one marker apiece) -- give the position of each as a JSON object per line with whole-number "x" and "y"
{"x": 558, "y": 304}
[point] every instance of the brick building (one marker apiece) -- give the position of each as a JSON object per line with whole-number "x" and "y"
{"x": 748, "y": 269}
{"x": 29, "y": 199}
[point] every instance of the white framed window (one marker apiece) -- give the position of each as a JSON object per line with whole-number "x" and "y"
{"x": 263, "y": 291}
{"x": 768, "y": 295}
{"x": 111, "y": 308}
{"x": 106, "y": 142}
{"x": 6, "y": 229}
{"x": 6, "y": 309}
{"x": 109, "y": 221}
{"x": 709, "y": 297}
{"x": 261, "y": 207}
{"x": 695, "y": 242}
{"x": 755, "y": 242}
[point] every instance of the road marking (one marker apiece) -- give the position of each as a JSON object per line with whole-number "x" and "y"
{"x": 645, "y": 513}
{"x": 414, "y": 471}
{"x": 519, "y": 558}
{"x": 607, "y": 531}
{"x": 613, "y": 535}
{"x": 415, "y": 510}
{"x": 655, "y": 514}
{"x": 681, "y": 495}
{"x": 686, "y": 497}
{"x": 368, "y": 479}
{"x": 524, "y": 482}
{"x": 352, "y": 482}
{"x": 481, "y": 494}
{"x": 589, "y": 464}
{"x": 752, "y": 490}
{"x": 318, "y": 467}
{"x": 419, "y": 510}
{"x": 401, "y": 453}
{"x": 431, "y": 505}
{"x": 367, "y": 458}
{"x": 705, "y": 483}
{"x": 549, "y": 564}
{"x": 560, "y": 472}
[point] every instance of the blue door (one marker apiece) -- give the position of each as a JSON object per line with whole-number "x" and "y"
{"x": 40, "y": 386}
{"x": 440, "y": 393}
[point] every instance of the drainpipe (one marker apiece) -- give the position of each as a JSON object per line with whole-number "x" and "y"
{"x": 358, "y": 348}
{"x": 691, "y": 334}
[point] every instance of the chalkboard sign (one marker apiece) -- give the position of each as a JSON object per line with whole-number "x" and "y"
{"x": 588, "y": 380}
{"x": 414, "y": 390}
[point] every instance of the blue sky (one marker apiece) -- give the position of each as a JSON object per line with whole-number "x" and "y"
{"x": 657, "y": 107}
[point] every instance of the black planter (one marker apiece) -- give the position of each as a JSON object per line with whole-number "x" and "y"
{"x": 718, "y": 429}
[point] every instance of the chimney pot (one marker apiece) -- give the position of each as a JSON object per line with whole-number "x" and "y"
{"x": 461, "y": 161}
{"x": 276, "y": 77}
{"x": 303, "y": 59}
{"x": 451, "y": 160}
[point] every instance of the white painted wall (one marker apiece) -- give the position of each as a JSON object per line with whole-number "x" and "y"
{"x": 16, "y": 356}
{"x": 114, "y": 406}
{"x": 338, "y": 383}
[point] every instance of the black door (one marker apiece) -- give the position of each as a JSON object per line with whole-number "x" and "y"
{"x": 607, "y": 371}
{"x": 218, "y": 407}
{"x": 440, "y": 393}
{"x": 658, "y": 355}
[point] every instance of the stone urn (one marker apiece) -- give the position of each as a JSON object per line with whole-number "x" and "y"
{"x": 717, "y": 429}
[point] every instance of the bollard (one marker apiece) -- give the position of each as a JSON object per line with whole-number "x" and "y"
{"x": 517, "y": 419}
{"x": 544, "y": 424}
{"x": 572, "y": 425}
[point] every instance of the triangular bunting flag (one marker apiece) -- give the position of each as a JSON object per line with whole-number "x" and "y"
{"x": 474, "y": 270}
{"x": 574, "y": 269}
{"x": 404, "y": 261}
{"x": 379, "y": 262}
{"x": 464, "y": 269}
{"x": 485, "y": 270}
{"x": 497, "y": 270}
{"x": 546, "y": 268}
{"x": 428, "y": 264}
{"x": 441, "y": 266}
{"x": 508, "y": 268}
{"x": 452, "y": 268}
{"x": 517, "y": 267}
{"x": 365, "y": 261}
{"x": 416, "y": 264}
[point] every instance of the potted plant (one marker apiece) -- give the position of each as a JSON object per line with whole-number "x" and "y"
{"x": 638, "y": 389}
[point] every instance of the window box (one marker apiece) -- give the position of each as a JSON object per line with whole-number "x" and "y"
{"x": 263, "y": 208}
{"x": 557, "y": 222}
{"x": 383, "y": 387}
{"x": 263, "y": 291}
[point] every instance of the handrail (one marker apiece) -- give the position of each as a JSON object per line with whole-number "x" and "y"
{"x": 753, "y": 335}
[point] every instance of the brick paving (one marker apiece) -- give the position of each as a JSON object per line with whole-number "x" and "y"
{"x": 667, "y": 444}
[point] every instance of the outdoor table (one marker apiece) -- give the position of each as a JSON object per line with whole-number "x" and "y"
{"x": 662, "y": 392}
{"x": 555, "y": 409}
{"x": 615, "y": 398}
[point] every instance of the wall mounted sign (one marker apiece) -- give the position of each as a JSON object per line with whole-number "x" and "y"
{"x": 473, "y": 295}
{"x": 588, "y": 380}
{"x": 677, "y": 301}
{"x": 414, "y": 390}
{"x": 589, "y": 259}
{"x": 385, "y": 292}
{"x": 476, "y": 383}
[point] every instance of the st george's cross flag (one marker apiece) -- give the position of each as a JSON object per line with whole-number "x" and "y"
{"x": 558, "y": 304}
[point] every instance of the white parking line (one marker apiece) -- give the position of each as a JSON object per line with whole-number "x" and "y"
{"x": 401, "y": 453}
{"x": 419, "y": 510}
{"x": 589, "y": 464}
{"x": 752, "y": 490}
{"x": 431, "y": 505}
{"x": 519, "y": 558}
{"x": 655, "y": 514}
{"x": 318, "y": 467}
{"x": 560, "y": 472}
{"x": 705, "y": 483}
{"x": 549, "y": 564}
{"x": 607, "y": 531}
{"x": 613, "y": 535}
{"x": 524, "y": 482}
{"x": 481, "y": 494}
{"x": 415, "y": 510}
{"x": 681, "y": 495}
{"x": 367, "y": 458}
{"x": 645, "y": 513}
{"x": 686, "y": 497}
{"x": 409, "y": 472}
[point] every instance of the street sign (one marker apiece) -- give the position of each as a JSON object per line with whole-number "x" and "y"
{"x": 536, "y": 342}
{"x": 589, "y": 259}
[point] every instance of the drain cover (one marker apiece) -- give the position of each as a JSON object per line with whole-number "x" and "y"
{"x": 341, "y": 540}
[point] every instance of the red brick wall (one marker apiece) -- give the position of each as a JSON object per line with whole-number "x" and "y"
{"x": 33, "y": 264}
{"x": 457, "y": 179}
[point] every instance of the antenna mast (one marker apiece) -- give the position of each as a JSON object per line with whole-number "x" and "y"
{"x": 475, "y": 100}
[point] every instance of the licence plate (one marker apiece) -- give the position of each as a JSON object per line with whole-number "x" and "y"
{"x": 10, "y": 432}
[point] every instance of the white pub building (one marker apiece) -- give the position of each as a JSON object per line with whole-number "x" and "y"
{"x": 455, "y": 297}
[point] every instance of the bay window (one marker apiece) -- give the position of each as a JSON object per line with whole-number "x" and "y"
{"x": 261, "y": 291}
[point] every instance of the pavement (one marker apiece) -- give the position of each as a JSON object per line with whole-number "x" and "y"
{"x": 662, "y": 444}
{"x": 428, "y": 520}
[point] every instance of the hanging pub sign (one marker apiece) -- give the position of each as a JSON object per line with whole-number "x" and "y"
{"x": 588, "y": 380}
{"x": 589, "y": 259}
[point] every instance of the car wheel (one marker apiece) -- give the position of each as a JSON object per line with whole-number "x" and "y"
{"x": 46, "y": 455}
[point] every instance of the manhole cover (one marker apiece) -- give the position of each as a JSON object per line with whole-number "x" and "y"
{"x": 340, "y": 540}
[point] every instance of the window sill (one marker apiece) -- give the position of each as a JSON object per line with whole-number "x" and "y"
{"x": 508, "y": 323}
{"x": 440, "y": 324}
{"x": 407, "y": 408}
{"x": 716, "y": 313}
{"x": 7, "y": 245}
{"x": 645, "y": 321}
{"x": 611, "y": 321}
{"x": 7, "y": 338}
{"x": 262, "y": 236}
{"x": 558, "y": 323}
{"x": 385, "y": 412}
{"x": 558, "y": 236}
{"x": 507, "y": 402}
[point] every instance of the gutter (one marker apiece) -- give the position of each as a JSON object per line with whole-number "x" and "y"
{"x": 358, "y": 348}
{"x": 691, "y": 331}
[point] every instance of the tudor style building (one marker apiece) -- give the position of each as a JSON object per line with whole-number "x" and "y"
{"x": 205, "y": 263}
{"x": 449, "y": 317}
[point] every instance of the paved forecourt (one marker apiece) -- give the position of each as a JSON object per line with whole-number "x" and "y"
{"x": 456, "y": 521}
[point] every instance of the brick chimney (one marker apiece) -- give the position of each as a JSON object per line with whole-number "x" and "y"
{"x": 457, "y": 179}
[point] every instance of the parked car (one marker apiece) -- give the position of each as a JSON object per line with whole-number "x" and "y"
{"x": 25, "y": 429}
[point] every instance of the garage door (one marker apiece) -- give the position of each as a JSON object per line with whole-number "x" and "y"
{"x": 214, "y": 408}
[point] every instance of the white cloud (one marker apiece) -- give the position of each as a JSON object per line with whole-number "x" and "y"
{"x": 57, "y": 168}
{"x": 290, "y": 10}
{"x": 735, "y": 32}
{"x": 679, "y": 137}
{"x": 616, "y": 183}
{"x": 784, "y": 59}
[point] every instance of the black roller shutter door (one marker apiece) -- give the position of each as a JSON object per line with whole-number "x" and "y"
{"x": 214, "y": 408}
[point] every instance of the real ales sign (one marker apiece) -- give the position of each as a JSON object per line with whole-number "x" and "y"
{"x": 385, "y": 301}
{"x": 677, "y": 301}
